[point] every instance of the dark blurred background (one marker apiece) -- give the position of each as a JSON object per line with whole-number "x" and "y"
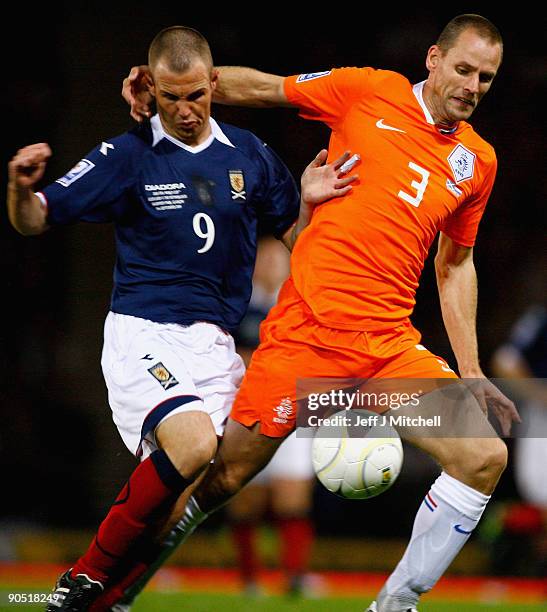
{"x": 61, "y": 459}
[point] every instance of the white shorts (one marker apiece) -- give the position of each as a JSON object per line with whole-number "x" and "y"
{"x": 155, "y": 370}
{"x": 292, "y": 461}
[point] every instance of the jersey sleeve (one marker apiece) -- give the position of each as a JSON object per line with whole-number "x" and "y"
{"x": 327, "y": 96}
{"x": 462, "y": 226}
{"x": 88, "y": 191}
{"x": 280, "y": 200}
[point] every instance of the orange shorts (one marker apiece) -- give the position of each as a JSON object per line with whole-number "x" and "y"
{"x": 293, "y": 345}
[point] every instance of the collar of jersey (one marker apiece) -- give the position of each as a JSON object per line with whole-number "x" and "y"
{"x": 418, "y": 90}
{"x": 216, "y": 133}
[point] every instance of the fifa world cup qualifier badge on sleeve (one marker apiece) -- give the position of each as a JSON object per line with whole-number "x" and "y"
{"x": 81, "y": 168}
{"x": 310, "y": 76}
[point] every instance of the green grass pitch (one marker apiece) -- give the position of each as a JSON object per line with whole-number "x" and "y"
{"x": 154, "y": 602}
{"x": 197, "y": 602}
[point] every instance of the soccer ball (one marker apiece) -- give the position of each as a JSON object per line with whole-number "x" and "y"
{"x": 356, "y": 460}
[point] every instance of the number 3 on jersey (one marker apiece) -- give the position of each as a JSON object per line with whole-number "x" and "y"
{"x": 208, "y": 234}
{"x": 420, "y": 187}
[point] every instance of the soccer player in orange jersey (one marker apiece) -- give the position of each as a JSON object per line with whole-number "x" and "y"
{"x": 344, "y": 312}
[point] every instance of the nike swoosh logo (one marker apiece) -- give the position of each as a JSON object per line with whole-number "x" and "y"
{"x": 383, "y": 126}
{"x": 459, "y": 529}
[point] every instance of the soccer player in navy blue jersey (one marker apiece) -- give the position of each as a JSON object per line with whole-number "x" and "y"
{"x": 186, "y": 196}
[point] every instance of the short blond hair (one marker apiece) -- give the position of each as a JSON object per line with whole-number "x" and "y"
{"x": 469, "y": 21}
{"x": 179, "y": 47}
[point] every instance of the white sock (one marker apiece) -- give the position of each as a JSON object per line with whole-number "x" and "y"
{"x": 443, "y": 524}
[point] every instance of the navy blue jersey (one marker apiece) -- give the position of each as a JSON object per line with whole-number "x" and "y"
{"x": 186, "y": 219}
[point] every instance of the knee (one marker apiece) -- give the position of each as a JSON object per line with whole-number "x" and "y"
{"x": 492, "y": 459}
{"x": 482, "y": 466}
{"x": 191, "y": 457}
{"x": 497, "y": 458}
{"x": 203, "y": 453}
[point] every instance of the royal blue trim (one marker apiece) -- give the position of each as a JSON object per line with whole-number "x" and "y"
{"x": 154, "y": 417}
{"x": 428, "y": 505}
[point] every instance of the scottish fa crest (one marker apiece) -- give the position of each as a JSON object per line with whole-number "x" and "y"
{"x": 163, "y": 376}
{"x": 462, "y": 163}
{"x": 237, "y": 183}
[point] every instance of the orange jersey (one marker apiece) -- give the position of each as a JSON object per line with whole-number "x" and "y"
{"x": 357, "y": 265}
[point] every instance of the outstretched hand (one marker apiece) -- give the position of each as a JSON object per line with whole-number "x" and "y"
{"x": 321, "y": 181}
{"x": 28, "y": 165}
{"x": 136, "y": 93}
{"x": 491, "y": 398}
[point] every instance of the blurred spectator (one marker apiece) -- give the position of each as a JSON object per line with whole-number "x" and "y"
{"x": 283, "y": 490}
{"x": 522, "y": 547}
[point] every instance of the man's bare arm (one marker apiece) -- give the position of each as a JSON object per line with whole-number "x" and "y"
{"x": 236, "y": 85}
{"x": 240, "y": 86}
{"x": 25, "y": 210}
{"x": 457, "y": 283}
